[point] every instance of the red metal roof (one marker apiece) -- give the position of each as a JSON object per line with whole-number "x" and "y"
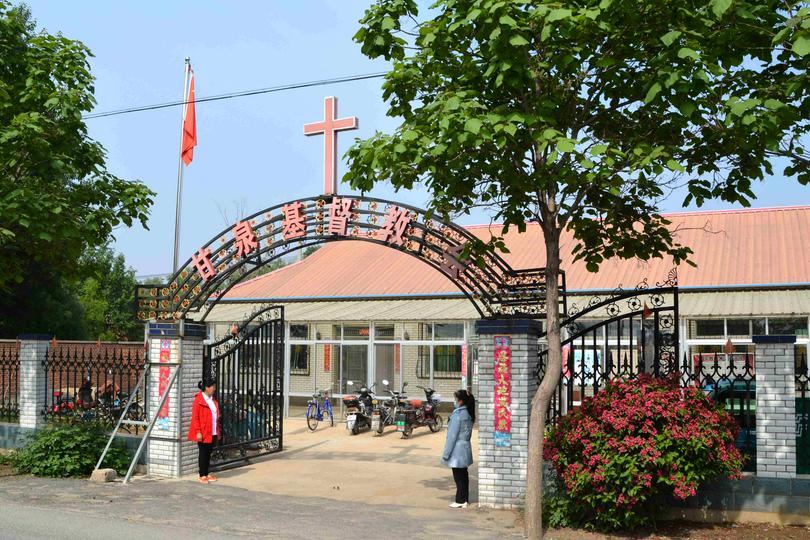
{"x": 752, "y": 247}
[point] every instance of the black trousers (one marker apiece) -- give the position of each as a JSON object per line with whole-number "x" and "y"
{"x": 205, "y": 455}
{"x": 462, "y": 477}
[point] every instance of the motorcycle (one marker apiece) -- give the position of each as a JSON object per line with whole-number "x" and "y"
{"x": 421, "y": 413}
{"x": 385, "y": 411}
{"x": 358, "y": 409}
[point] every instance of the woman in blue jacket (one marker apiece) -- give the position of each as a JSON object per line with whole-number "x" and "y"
{"x": 457, "y": 450}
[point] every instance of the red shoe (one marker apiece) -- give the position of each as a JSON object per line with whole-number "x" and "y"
{"x": 203, "y": 479}
{"x": 212, "y": 478}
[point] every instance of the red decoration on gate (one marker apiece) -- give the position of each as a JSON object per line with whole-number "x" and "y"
{"x": 503, "y": 391}
{"x": 327, "y": 358}
{"x": 329, "y": 127}
{"x": 396, "y": 225}
{"x": 340, "y": 212}
{"x": 295, "y": 224}
{"x": 202, "y": 262}
{"x": 450, "y": 263}
{"x": 245, "y": 238}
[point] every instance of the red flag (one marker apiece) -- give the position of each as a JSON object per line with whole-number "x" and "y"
{"x": 189, "y": 126}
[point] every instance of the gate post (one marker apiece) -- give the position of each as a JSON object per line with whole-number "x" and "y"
{"x": 32, "y": 401}
{"x": 503, "y": 447}
{"x": 776, "y": 408}
{"x": 172, "y": 347}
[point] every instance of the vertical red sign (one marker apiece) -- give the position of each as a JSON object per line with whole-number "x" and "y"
{"x": 163, "y": 382}
{"x": 503, "y": 391}
{"x": 327, "y": 358}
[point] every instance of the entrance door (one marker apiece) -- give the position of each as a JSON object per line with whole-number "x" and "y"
{"x": 353, "y": 367}
{"x": 384, "y": 366}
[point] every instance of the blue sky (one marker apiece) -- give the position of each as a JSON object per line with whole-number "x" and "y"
{"x": 251, "y": 150}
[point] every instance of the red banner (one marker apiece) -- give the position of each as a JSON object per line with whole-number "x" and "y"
{"x": 503, "y": 390}
{"x": 163, "y": 381}
{"x": 327, "y": 358}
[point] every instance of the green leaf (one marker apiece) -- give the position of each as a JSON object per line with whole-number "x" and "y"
{"x": 388, "y": 23}
{"x": 719, "y": 7}
{"x": 507, "y": 21}
{"x": 670, "y": 37}
{"x": 686, "y": 52}
{"x": 599, "y": 149}
{"x": 558, "y": 14}
{"x": 652, "y": 92}
{"x": 473, "y": 125}
{"x": 802, "y": 45}
{"x": 675, "y": 166}
{"x": 410, "y": 135}
{"x": 452, "y": 104}
{"x": 518, "y": 41}
{"x": 565, "y": 145}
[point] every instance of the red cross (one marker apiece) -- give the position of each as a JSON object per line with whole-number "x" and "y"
{"x": 329, "y": 127}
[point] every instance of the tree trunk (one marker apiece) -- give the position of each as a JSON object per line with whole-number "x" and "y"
{"x": 542, "y": 398}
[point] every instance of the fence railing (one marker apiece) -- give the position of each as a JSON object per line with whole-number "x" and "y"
{"x": 9, "y": 380}
{"x": 802, "y": 413}
{"x": 94, "y": 381}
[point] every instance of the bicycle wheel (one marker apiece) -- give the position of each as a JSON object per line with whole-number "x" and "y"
{"x": 331, "y": 416}
{"x": 312, "y": 417}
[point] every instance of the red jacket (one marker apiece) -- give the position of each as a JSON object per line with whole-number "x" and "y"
{"x": 201, "y": 421}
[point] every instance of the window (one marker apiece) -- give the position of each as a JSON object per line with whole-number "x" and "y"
{"x": 449, "y": 331}
{"x": 299, "y": 331}
{"x": 446, "y": 361}
{"x": 299, "y": 359}
{"x": 355, "y": 332}
{"x": 706, "y": 328}
{"x": 738, "y": 328}
{"x": 794, "y": 326}
{"x": 383, "y": 332}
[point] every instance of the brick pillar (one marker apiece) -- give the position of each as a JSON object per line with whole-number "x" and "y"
{"x": 776, "y": 406}
{"x": 33, "y": 348}
{"x": 502, "y": 467}
{"x": 173, "y": 346}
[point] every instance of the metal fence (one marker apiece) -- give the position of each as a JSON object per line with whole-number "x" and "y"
{"x": 802, "y": 412}
{"x": 9, "y": 380}
{"x": 94, "y": 381}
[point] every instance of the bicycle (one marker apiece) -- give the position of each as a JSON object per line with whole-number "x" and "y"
{"x": 317, "y": 413}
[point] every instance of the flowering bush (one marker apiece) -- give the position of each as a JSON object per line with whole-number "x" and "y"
{"x": 635, "y": 442}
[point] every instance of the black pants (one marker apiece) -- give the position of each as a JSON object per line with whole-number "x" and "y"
{"x": 205, "y": 455}
{"x": 462, "y": 477}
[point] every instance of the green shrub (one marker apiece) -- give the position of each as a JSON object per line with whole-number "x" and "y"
{"x": 632, "y": 445}
{"x": 64, "y": 449}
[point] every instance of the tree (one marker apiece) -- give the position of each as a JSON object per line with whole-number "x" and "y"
{"x": 583, "y": 115}
{"x": 108, "y": 297}
{"x": 57, "y": 197}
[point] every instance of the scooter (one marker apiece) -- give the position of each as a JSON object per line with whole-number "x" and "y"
{"x": 385, "y": 411}
{"x": 421, "y": 413}
{"x": 358, "y": 409}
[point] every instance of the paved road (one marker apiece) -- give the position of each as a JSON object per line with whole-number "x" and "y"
{"x": 37, "y": 508}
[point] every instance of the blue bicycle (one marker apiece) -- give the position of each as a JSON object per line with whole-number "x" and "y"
{"x": 318, "y": 408}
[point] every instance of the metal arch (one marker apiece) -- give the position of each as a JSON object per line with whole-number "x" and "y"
{"x": 495, "y": 289}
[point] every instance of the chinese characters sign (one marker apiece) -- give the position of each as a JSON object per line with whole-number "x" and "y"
{"x": 503, "y": 391}
{"x": 163, "y": 382}
{"x": 327, "y": 358}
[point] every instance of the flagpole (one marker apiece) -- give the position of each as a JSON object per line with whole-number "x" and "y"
{"x": 178, "y": 205}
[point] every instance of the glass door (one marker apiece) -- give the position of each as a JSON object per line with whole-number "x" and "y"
{"x": 386, "y": 367}
{"x": 353, "y": 367}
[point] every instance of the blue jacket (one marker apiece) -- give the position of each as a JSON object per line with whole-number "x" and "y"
{"x": 458, "y": 450}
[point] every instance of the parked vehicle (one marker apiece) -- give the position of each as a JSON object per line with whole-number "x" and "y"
{"x": 420, "y": 413}
{"x": 319, "y": 409}
{"x": 359, "y": 409}
{"x": 385, "y": 410}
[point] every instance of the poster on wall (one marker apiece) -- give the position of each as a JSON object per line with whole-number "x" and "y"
{"x": 503, "y": 391}
{"x": 464, "y": 366}
{"x": 163, "y": 381}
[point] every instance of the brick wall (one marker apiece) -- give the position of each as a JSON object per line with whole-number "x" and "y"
{"x": 32, "y": 382}
{"x": 776, "y": 408}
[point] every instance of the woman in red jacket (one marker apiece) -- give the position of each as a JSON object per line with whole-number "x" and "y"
{"x": 205, "y": 426}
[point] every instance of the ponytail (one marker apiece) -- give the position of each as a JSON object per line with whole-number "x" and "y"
{"x": 468, "y": 400}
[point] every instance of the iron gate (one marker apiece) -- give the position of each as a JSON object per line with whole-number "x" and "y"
{"x": 248, "y": 367}
{"x": 616, "y": 337}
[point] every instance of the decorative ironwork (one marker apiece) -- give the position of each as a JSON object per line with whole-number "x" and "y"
{"x": 9, "y": 381}
{"x": 248, "y": 367}
{"x": 802, "y": 411}
{"x": 494, "y": 287}
{"x": 87, "y": 381}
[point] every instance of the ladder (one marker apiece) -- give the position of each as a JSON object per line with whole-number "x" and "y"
{"x": 148, "y": 423}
